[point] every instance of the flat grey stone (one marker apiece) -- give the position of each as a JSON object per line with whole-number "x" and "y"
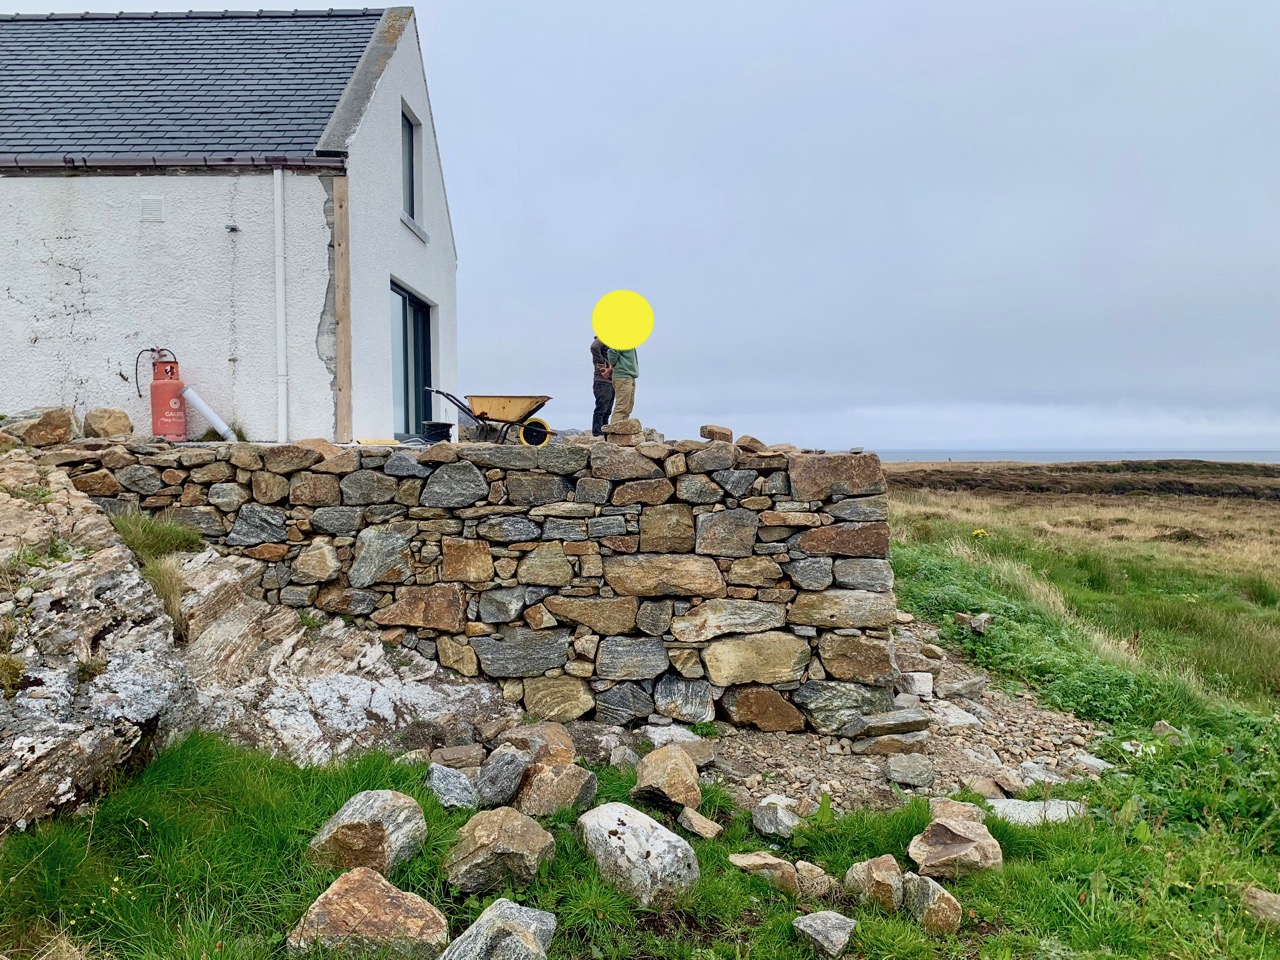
{"x": 452, "y": 788}
{"x": 831, "y": 705}
{"x": 523, "y": 652}
{"x": 140, "y": 479}
{"x": 735, "y": 482}
{"x": 729, "y": 533}
{"x": 500, "y": 775}
{"x": 513, "y": 529}
{"x": 228, "y": 497}
{"x": 505, "y": 931}
{"x": 606, "y": 527}
{"x": 654, "y": 617}
{"x": 402, "y": 464}
{"x": 826, "y": 931}
{"x": 622, "y": 704}
{"x": 368, "y": 486}
{"x": 560, "y": 528}
{"x": 454, "y": 485}
{"x": 860, "y": 509}
{"x": 774, "y": 820}
{"x": 813, "y": 573}
{"x": 696, "y": 488}
{"x": 910, "y": 769}
{"x": 1032, "y": 813}
{"x": 381, "y": 555}
{"x": 592, "y": 490}
{"x": 631, "y": 658}
{"x": 563, "y": 458}
{"x": 257, "y": 524}
{"x": 880, "y": 724}
{"x": 856, "y": 573}
{"x": 504, "y": 456}
{"x": 688, "y": 701}
{"x": 534, "y": 489}
{"x": 501, "y": 604}
{"x": 337, "y": 521}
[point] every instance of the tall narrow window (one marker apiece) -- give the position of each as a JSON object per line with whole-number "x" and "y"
{"x": 411, "y": 361}
{"x": 408, "y": 164}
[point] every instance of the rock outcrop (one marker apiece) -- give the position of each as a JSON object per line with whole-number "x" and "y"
{"x": 94, "y": 681}
{"x": 98, "y": 681}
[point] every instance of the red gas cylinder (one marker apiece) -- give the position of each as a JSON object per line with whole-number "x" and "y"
{"x": 168, "y": 408}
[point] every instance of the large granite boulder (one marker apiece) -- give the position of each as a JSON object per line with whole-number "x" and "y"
{"x": 378, "y": 829}
{"x": 505, "y": 931}
{"x": 955, "y": 848}
{"x": 637, "y": 854}
{"x": 932, "y": 906}
{"x": 362, "y": 912}
{"x": 667, "y": 777}
{"x": 497, "y": 848}
{"x": 877, "y": 881}
{"x": 549, "y": 788}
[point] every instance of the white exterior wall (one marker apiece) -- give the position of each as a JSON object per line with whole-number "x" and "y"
{"x": 383, "y": 249}
{"x": 85, "y": 285}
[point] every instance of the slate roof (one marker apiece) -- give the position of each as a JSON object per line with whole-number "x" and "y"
{"x": 206, "y": 87}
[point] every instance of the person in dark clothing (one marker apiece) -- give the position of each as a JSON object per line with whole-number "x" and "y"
{"x": 602, "y": 385}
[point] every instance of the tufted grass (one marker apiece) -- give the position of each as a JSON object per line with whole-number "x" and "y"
{"x": 152, "y": 537}
{"x": 165, "y": 576}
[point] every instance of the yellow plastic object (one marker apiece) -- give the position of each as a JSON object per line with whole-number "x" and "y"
{"x": 504, "y": 409}
{"x": 535, "y": 433}
{"x": 377, "y": 443}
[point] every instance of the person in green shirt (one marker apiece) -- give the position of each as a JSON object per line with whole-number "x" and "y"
{"x": 625, "y": 370}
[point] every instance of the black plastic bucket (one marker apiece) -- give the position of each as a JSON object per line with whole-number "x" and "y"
{"x": 436, "y": 431}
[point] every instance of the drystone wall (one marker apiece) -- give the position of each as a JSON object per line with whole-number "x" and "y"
{"x": 612, "y": 580}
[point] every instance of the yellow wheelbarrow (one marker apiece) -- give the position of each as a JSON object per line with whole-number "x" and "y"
{"x": 498, "y": 415}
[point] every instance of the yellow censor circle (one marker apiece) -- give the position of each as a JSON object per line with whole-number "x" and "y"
{"x": 622, "y": 319}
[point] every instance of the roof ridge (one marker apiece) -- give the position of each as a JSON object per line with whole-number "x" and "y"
{"x": 196, "y": 14}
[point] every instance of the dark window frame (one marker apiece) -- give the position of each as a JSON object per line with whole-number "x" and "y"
{"x": 409, "y": 165}
{"x": 416, "y": 316}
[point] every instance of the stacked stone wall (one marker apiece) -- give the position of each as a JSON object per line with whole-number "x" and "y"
{"x": 692, "y": 579}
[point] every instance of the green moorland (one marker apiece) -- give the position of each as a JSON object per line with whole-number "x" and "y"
{"x": 199, "y": 856}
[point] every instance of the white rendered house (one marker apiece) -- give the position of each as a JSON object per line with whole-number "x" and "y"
{"x": 260, "y": 193}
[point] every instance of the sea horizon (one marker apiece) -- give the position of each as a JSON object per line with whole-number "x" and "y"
{"x": 1076, "y": 456}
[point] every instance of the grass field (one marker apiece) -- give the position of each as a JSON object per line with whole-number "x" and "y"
{"x": 200, "y": 855}
{"x": 1190, "y": 584}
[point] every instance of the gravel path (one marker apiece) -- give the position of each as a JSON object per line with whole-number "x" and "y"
{"x": 994, "y": 742}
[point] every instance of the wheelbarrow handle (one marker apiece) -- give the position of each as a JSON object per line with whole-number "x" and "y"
{"x": 464, "y": 407}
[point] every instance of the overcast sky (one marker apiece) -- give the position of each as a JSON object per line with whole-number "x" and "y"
{"x": 937, "y": 224}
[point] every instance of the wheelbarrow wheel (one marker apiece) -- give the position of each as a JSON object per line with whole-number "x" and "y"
{"x": 535, "y": 433}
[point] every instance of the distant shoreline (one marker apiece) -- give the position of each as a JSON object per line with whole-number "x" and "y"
{"x": 1181, "y": 475}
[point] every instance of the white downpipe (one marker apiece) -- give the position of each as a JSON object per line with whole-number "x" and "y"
{"x": 195, "y": 400}
{"x": 282, "y": 355}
